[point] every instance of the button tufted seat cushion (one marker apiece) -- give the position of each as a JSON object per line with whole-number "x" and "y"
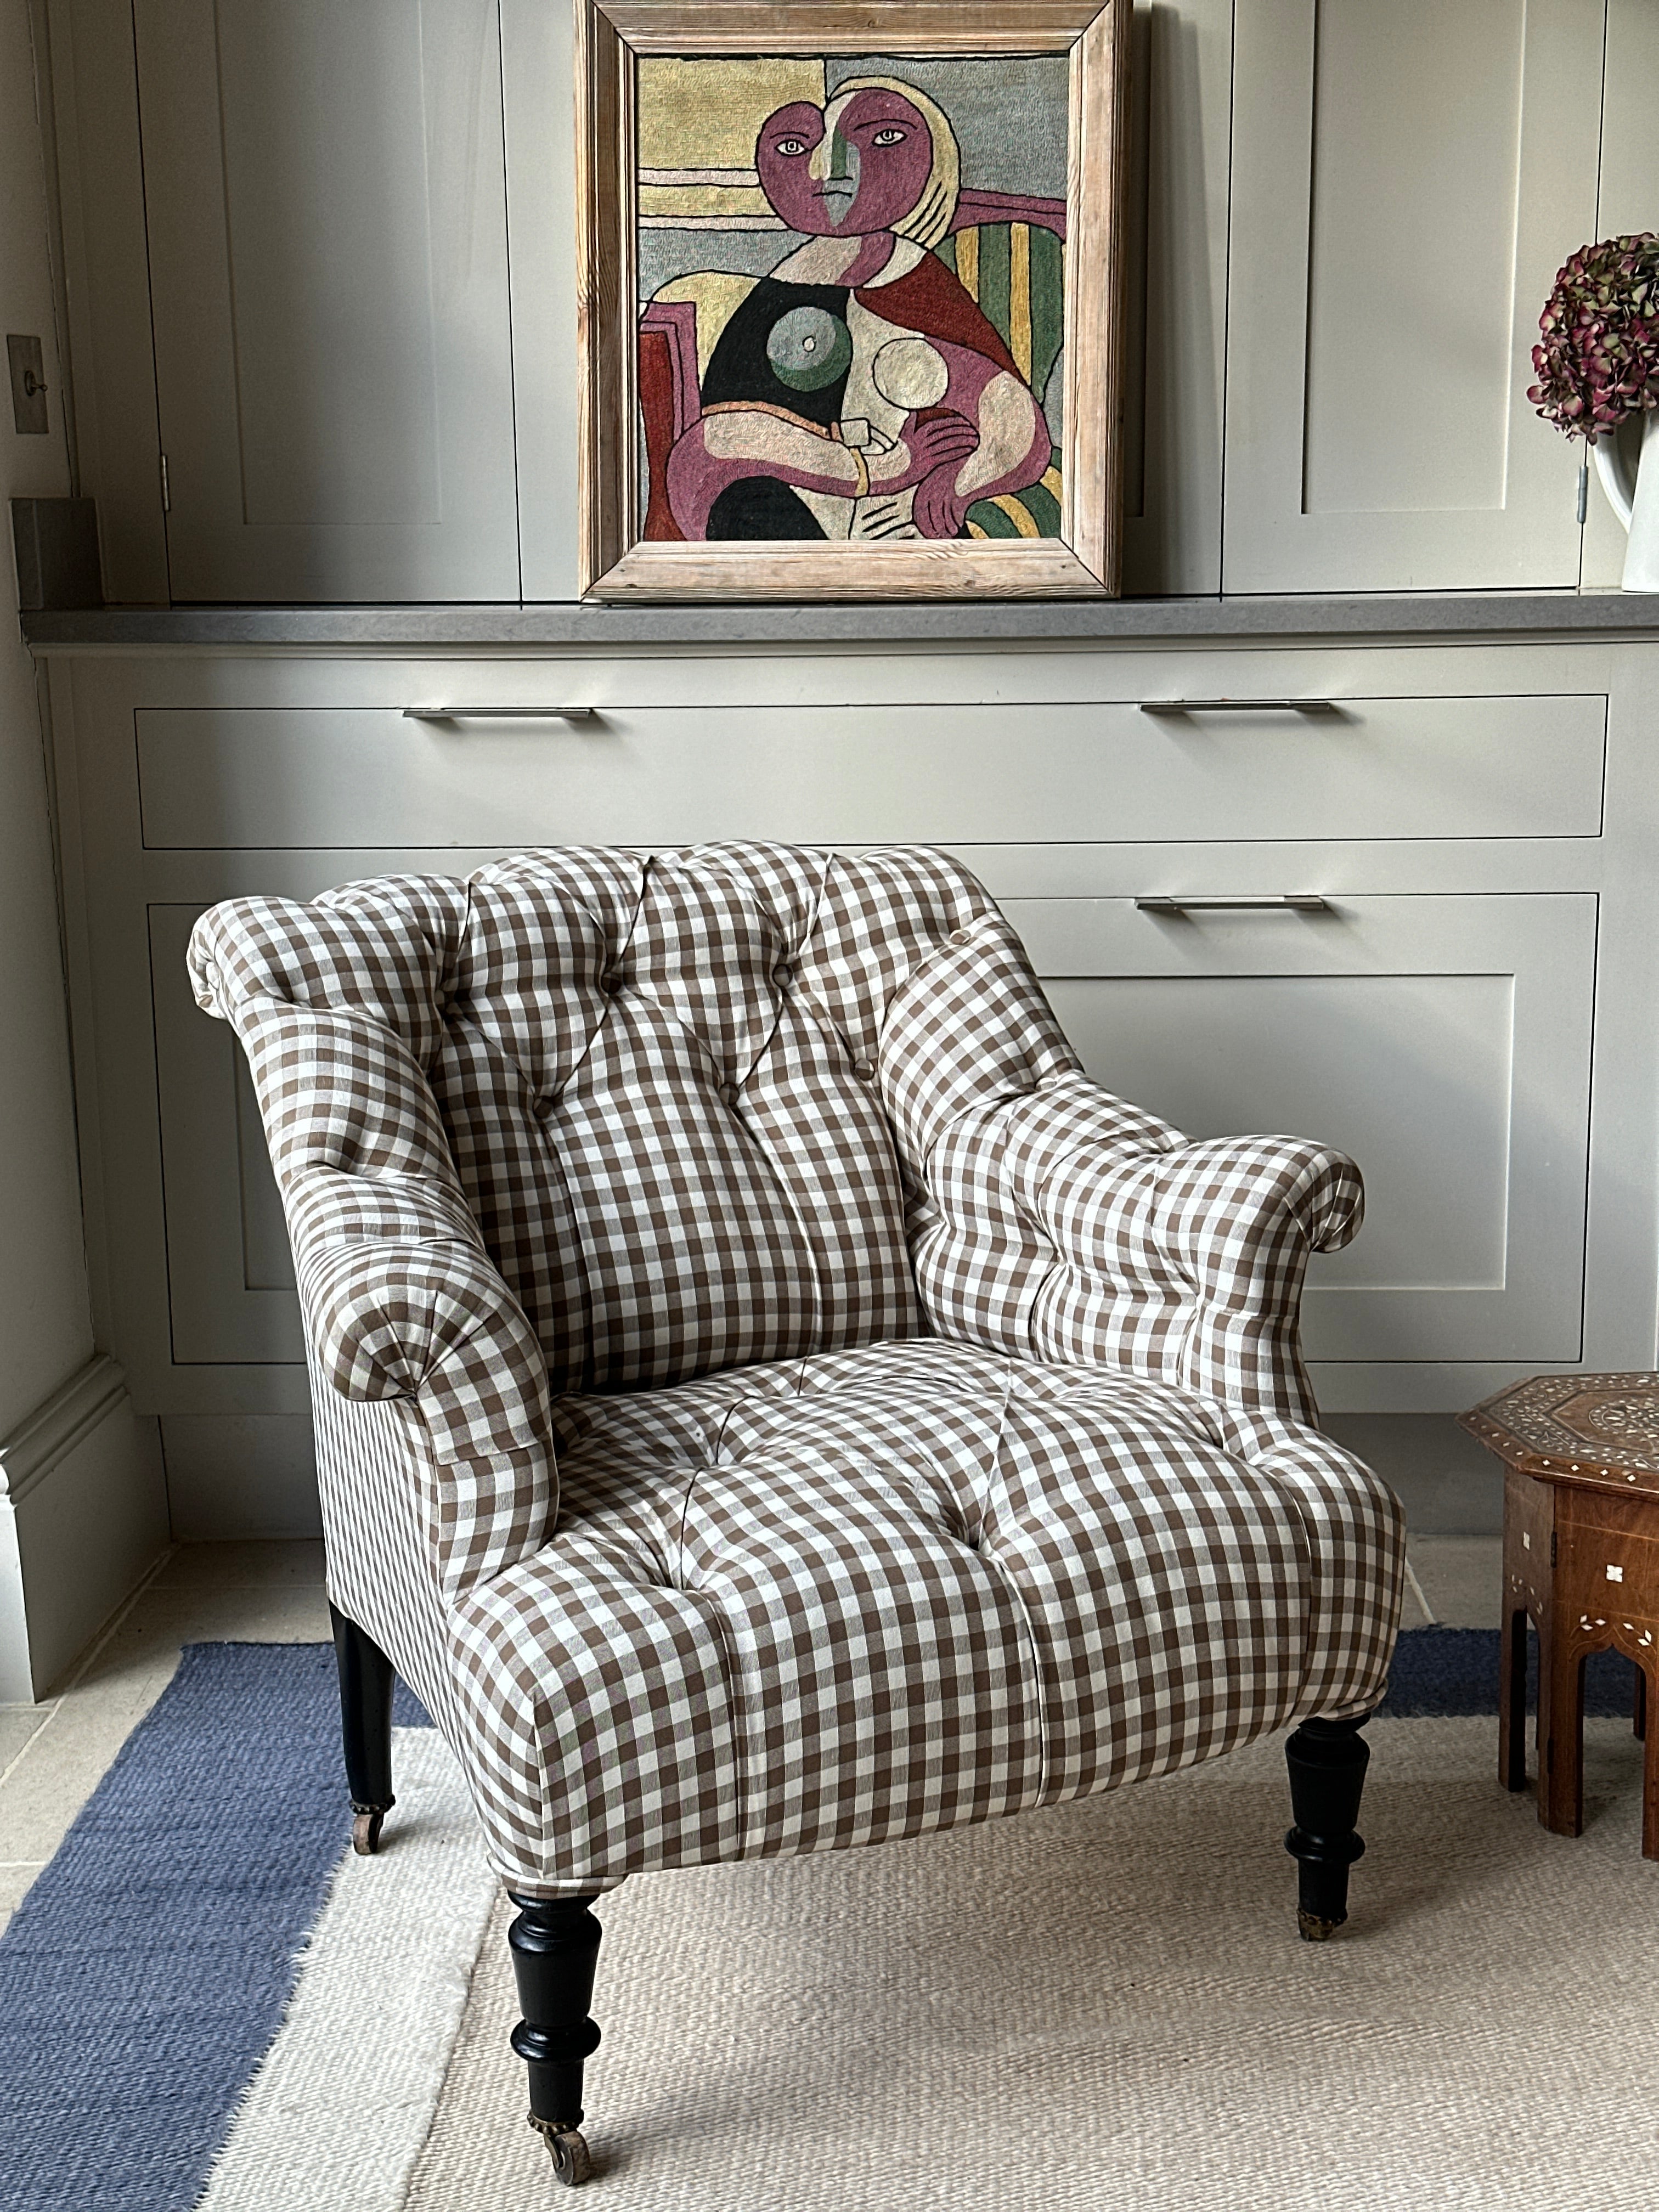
{"x": 931, "y": 1425}
{"x": 872, "y": 1593}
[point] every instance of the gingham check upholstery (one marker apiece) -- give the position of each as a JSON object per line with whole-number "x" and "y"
{"x": 768, "y": 1397}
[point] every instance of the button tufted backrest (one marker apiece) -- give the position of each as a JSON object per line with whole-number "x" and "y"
{"x": 689, "y": 1094}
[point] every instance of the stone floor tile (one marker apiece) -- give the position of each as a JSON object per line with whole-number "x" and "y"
{"x": 17, "y": 1724}
{"x": 282, "y": 1563}
{"x": 14, "y": 1881}
{"x": 1413, "y": 1611}
{"x": 1461, "y": 1577}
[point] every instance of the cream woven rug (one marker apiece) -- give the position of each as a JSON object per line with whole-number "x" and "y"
{"x": 1106, "y": 2005}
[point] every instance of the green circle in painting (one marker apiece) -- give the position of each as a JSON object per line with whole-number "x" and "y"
{"x": 809, "y": 348}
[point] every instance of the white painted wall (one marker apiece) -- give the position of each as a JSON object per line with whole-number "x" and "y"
{"x": 46, "y": 1329}
{"x": 46, "y": 1325}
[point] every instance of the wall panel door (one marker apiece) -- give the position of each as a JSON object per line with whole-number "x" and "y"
{"x": 1443, "y": 1042}
{"x": 1408, "y": 177}
{"x": 231, "y": 1296}
{"x": 326, "y": 203}
{"x": 1628, "y": 201}
{"x": 1176, "y": 333}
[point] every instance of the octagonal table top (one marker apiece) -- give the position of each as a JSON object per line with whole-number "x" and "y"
{"x": 1601, "y": 1430}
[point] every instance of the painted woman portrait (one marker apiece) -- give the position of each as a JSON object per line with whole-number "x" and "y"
{"x": 858, "y": 385}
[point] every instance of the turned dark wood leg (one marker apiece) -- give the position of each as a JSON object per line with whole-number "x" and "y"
{"x": 366, "y": 1725}
{"x": 1328, "y": 1761}
{"x": 1640, "y": 1717}
{"x": 1512, "y": 1702}
{"x": 556, "y": 1945}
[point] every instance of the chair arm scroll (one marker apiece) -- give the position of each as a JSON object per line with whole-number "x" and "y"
{"x": 404, "y": 1305}
{"x": 403, "y": 1301}
{"x": 1225, "y": 1203}
{"x": 337, "y": 1007}
{"x": 1234, "y": 1221}
{"x": 1064, "y": 1223}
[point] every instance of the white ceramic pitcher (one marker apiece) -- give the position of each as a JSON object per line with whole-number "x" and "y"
{"x": 1635, "y": 503}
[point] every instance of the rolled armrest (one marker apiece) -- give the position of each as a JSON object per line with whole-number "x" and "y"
{"x": 1068, "y": 1225}
{"x": 1233, "y": 1219}
{"x": 1221, "y": 1208}
{"x": 403, "y": 1301}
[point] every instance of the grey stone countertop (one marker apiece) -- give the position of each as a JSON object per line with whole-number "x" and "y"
{"x": 1310, "y": 618}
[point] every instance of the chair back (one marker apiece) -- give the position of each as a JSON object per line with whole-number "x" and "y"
{"x": 689, "y": 1096}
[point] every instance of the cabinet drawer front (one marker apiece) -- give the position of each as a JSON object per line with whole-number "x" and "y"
{"x": 1442, "y": 1040}
{"x": 1522, "y": 766}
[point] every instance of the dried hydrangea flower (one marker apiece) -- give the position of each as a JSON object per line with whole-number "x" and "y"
{"x": 1599, "y": 359}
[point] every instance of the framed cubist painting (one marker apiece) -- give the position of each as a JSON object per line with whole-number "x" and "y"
{"x": 848, "y": 285}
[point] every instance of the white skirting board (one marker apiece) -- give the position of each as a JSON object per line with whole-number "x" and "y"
{"x": 83, "y": 1515}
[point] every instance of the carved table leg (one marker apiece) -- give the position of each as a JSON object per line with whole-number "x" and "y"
{"x": 366, "y": 1725}
{"x": 1650, "y": 1770}
{"x": 1512, "y": 1699}
{"x": 1529, "y": 1595}
{"x": 1328, "y": 1761}
{"x": 556, "y": 1945}
{"x": 1545, "y": 1624}
{"x": 1561, "y": 1693}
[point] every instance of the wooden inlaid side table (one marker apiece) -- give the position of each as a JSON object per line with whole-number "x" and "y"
{"x": 1581, "y": 1557}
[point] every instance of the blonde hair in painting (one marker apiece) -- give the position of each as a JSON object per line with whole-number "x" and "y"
{"x": 930, "y": 219}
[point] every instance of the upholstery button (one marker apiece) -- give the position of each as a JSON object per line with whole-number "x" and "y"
{"x": 863, "y": 1069}
{"x": 612, "y": 980}
{"x": 960, "y": 936}
{"x": 783, "y": 974}
{"x": 729, "y": 1094}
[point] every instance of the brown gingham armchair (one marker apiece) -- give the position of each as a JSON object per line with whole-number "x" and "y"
{"x": 768, "y": 1397}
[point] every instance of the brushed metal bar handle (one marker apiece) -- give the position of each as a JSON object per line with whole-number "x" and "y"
{"x": 1286, "y": 903}
{"x": 1237, "y": 705}
{"x": 498, "y": 713}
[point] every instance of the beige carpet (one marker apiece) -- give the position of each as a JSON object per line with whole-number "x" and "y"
{"x": 1106, "y": 2005}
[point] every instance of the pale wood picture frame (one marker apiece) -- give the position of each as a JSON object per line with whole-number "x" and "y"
{"x": 617, "y": 563}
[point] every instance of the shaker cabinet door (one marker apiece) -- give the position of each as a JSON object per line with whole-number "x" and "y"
{"x": 325, "y": 202}
{"x": 1407, "y": 178}
{"x": 1175, "y": 335}
{"x": 1442, "y": 1041}
{"x": 231, "y": 1296}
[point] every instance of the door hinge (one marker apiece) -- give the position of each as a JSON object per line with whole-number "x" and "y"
{"x": 167, "y": 493}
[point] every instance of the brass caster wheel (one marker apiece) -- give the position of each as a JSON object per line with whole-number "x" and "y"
{"x": 366, "y": 1830}
{"x": 572, "y": 2163}
{"x": 1312, "y": 1929}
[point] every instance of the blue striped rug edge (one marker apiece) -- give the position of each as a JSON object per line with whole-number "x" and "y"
{"x": 145, "y": 1973}
{"x": 1447, "y": 1673}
